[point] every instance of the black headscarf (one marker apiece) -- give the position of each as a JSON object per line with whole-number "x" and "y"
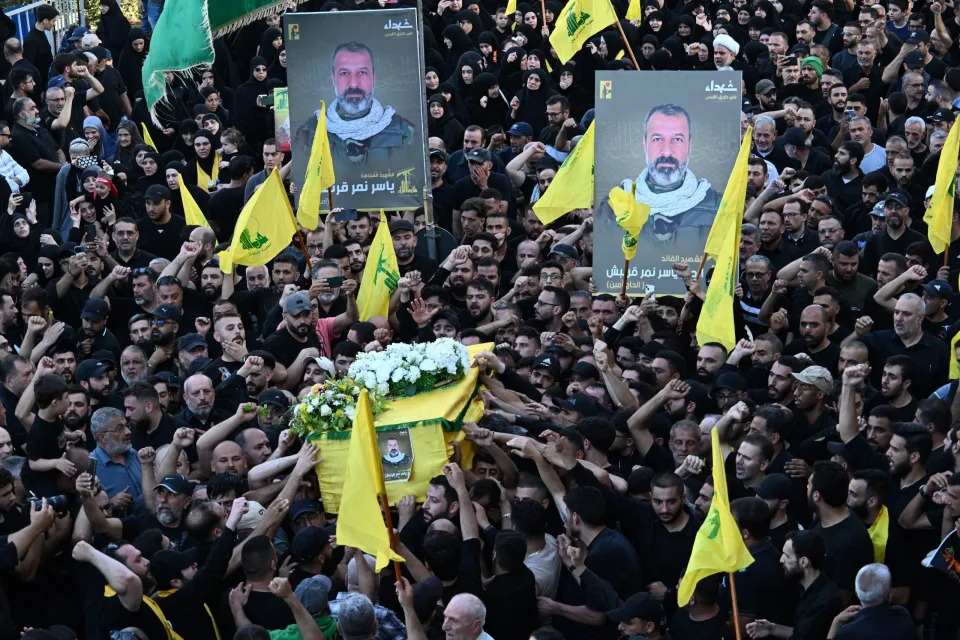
{"x": 456, "y": 102}
{"x": 460, "y": 44}
{"x": 267, "y": 52}
{"x": 278, "y": 71}
{"x": 113, "y": 28}
{"x": 533, "y": 104}
{"x": 250, "y": 118}
{"x": 130, "y": 62}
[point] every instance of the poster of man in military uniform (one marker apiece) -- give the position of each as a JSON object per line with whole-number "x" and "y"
{"x": 365, "y": 66}
{"x": 673, "y": 149}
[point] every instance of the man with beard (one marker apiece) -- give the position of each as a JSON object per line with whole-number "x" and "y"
{"x": 837, "y": 100}
{"x": 257, "y": 371}
{"x": 172, "y": 497}
{"x": 95, "y": 335}
{"x": 814, "y": 340}
{"x": 9, "y": 318}
{"x": 64, "y": 358}
{"x": 34, "y": 149}
{"x": 139, "y": 331}
{"x": 898, "y": 375}
{"x": 359, "y": 127}
{"x": 160, "y": 229}
{"x": 164, "y": 325}
{"x": 681, "y": 206}
{"x": 357, "y": 259}
{"x": 190, "y": 347}
{"x": 855, "y": 288}
{"x": 118, "y": 467}
{"x": 15, "y": 373}
{"x": 803, "y": 560}
{"x": 211, "y": 281}
{"x": 772, "y": 245}
{"x": 897, "y": 236}
{"x": 199, "y": 397}
{"x": 404, "y": 246}
{"x": 297, "y": 335}
{"x": 92, "y": 375}
{"x": 125, "y": 237}
{"x": 846, "y": 540}
{"x": 457, "y": 270}
{"x": 845, "y": 180}
{"x": 710, "y": 359}
{"x": 907, "y": 454}
{"x": 765, "y": 94}
{"x": 229, "y": 333}
{"x": 77, "y": 416}
{"x": 133, "y": 365}
{"x": 677, "y": 399}
{"x": 151, "y": 425}
{"x": 551, "y": 305}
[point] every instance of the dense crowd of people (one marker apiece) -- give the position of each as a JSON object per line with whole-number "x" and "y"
{"x": 150, "y": 486}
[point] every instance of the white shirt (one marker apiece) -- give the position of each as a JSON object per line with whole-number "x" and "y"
{"x": 875, "y": 160}
{"x": 9, "y": 169}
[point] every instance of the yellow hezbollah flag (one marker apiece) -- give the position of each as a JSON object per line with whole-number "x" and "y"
{"x": 631, "y": 216}
{"x": 578, "y": 21}
{"x": 572, "y": 187}
{"x": 264, "y": 228}
{"x": 146, "y": 137}
{"x": 718, "y": 546}
{"x": 378, "y": 283}
{"x": 362, "y": 525}
{"x": 939, "y": 217}
{"x": 633, "y": 11}
{"x": 191, "y": 211}
{"x": 730, "y": 212}
{"x": 319, "y": 174}
{"x": 879, "y": 531}
{"x": 511, "y": 9}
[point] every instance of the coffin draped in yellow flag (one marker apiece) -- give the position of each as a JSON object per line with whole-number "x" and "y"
{"x": 577, "y": 23}
{"x": 631, "y": 216}
{"x": 716, "y": 318}
{"x": 362, "y": 525}
{"x": 264, "y": 228}
{"x": 718, "y": 547}
{"x": 381, "y": 277}
{"x": 572, "y": 187}
{"x": 319, "y": 174}
{"x": 939, "y": 217}
{"x": 191, "y": 210}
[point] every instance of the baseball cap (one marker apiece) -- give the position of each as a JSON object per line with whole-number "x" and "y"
{"x": 273, "y": 396}
{"x": 913, "y": 60}
{"x": 106, "y": 356}
{"x": 775, "y": 486}
{"x": 585, "y": 370}
{"x": 252, "y": 517}
{"x": 167, "y": 565}
{"x": 304, "y": 505}
{"x": 77, "y": 34}
{"x": 765, "y": 86}
{"x": 817, "y": 376}
{"x": 402, "y": 225}
{"x": 565, "y": 250}
{"x": 90, "y": 41}
{"x": 297, "y": 303}
{"x": 730, "y": 380}
{"x": 941, "y": 115}
{"x": 168, "y": 312}
{"x": 878, "y": 210}
{"x": 520, "y": 129}
{"x": 547, "y": 362}
{"x": 203, "y": 365}
{"x": 176, "y": 483}
{"x": 582, "y": 403}
{"x": 898, "y": 196}
{"x": 478, "y": 154}
{"x": 438, "y": 153}
{"x": 91, "y": 368}
{"x": 170, "y": 378}
{"x": 309, "y": 543}
{"x": 55, "y": 82}
{"x": 314, "y": 593}
{"x": 918, "y": 36}
{"x": 639, "y": 605}
{"x": 156, "y": 192}
{"x": 938, "y": 289}
{"x": 190, "y": 341}
{"x": 698, "y": 394}
{"x": 95, "y": 309}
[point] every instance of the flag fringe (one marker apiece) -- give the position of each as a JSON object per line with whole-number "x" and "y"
{"x": 253, "y": 16}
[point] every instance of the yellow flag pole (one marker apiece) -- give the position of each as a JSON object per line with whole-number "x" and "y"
{"x": 736, "y": 609}
{"x": 626, "y": 43}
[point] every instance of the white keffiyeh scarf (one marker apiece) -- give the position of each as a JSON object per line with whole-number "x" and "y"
{"x": 671, "y": 203}
{"x": 359, "y": 129}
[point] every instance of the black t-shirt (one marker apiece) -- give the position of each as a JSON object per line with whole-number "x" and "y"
{"x": 114, "y": 617}
{"x": 163, "y": 240}
{"x": 110, "y": 100}
{"x": 224, "y": 209}
{"x": 160, "y": 436}
{"x": 44, "y": 439}
{"x": 715, "y": 628}
{"x": 27, "y": 147}
{"x": 468, "y": 576}
{"x": 138, "y": 523}
{"x": 816, "y": 610}
{"x": 827, "y": 357}
{"x": 511, "y": 601}
{"x": 285, "y": 348}
{"x": 848, "y": 549}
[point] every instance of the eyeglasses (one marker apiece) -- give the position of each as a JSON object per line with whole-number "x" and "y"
{"x": 119, "y": 429}
{"x": 550, "y": 276}
{"x": 541, "y": 303}
{"x": 160, "y": 321}
{"x": 756, "y": 276}
{"x": 142, "y": 271}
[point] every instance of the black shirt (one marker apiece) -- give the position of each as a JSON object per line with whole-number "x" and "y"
{"x": 163, "y": 240}
{"x": 285, "y": 348}
{"x": 110, "y": 100}
{"x": 760, "y": 587}
{"x": 815, "y": 612}
{"x": 929, "y": 354}
{"x": 114, "y": 617}
{"x": 848, "y": 549}
{"x": 827, "y": 357}
{"x": 224, "y": 209}
{"x": 136, "y": 524}
{"x": 18, "y": 434}
{"x": 27, "y": 146}
{"x": 511, "y": 601}
{"x": 36, "y": 49}
{"x": 139, "y": 259}
{"x": 879, "y": 621}
{"x": 160, "y": 436}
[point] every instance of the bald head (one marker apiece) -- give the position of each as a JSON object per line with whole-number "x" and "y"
{"x": 908, "y": 317}
{"x": 6, "y": 444}
{"x": 464, "y": 617}
{"x": 228, "y": 458}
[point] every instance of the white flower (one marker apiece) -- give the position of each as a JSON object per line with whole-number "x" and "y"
{"x": 325, "y": 410}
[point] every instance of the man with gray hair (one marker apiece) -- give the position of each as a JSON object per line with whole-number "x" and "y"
{"x": 118, "y": 466}
{"x": 356, "y": 619}
{"x": 32, "y": 146}
{"x": 758, "y": 278}
{"x": 875, "y": 617}
{"x": 388, "y": 625}
{"x": 464, "y": 617}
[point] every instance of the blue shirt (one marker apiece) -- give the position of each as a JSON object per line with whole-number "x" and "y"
{"x": 115, "y": 477}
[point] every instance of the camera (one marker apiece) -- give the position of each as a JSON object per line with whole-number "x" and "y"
{"x": 59, "y": 504}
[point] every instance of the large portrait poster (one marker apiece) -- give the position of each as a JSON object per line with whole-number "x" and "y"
{"x": 674, "y": 136}
{"x": 365, "y": 66}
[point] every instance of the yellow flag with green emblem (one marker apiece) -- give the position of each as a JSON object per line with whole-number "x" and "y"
{"x": 362, "y": 526}
{"x": 718, "y": 547}
{"x": 319, "y": 174}
{"x": 381, "y": 276}
{"x": 577, "y": 23}
{"x": 631, "y": 216}
{"x": 572, "y": 187}
{"x": 730, "y": 212}
{"x": 264, "y": 228}
{"x": 939, "y": 217}
{"x": 191, "y": 210}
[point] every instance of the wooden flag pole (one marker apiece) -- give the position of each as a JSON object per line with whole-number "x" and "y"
{"x": 385, "y": 503}
{"x": 543, "y": 15}
{"x": 303, "y": 245}
{"x": 626, "y": 43}
{"x": 736, "y": 610}
{"x": 703, "y": 261}
{"x": 626, "y": 268}
{"x": 329, "y": 199}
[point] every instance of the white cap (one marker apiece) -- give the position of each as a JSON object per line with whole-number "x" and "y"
{"x": 725, "y": 41}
